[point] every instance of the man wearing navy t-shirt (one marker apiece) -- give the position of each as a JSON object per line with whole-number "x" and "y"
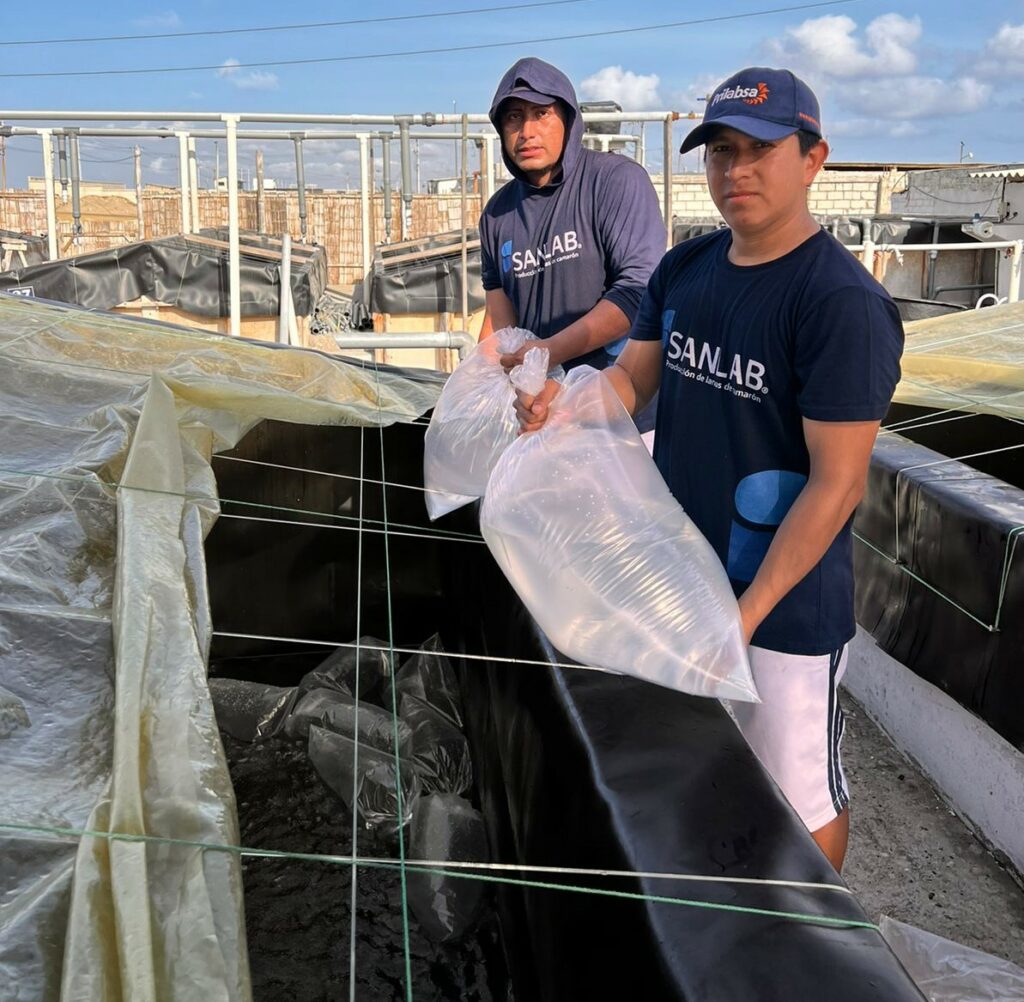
{"x": 776, "y": 354}
{"x": 568, "y": 245}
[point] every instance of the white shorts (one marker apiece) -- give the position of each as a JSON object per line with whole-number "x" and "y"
{"x": 797, "y": 728}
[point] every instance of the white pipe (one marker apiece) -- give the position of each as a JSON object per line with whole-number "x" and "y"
{"x": 491, "y": 147}
{"x": 973, "y": 246}
{"x": 666, "y": 172}
{"x": 364, "y": 213}
{"x": 51, "y": 195}
{"x": 234, "y": 254}
{"x": 459, "y": 340}
{"x": 428, "y": 119}
{"x": 285, "y": 295}
{"x": 867, "y": 253}
{"x": 193, "y": 180}
{"x": 186, "y": 211}
{"x": 1015, "y": 271}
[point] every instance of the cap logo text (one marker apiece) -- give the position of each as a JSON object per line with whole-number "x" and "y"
{"x": 748, "y": 95}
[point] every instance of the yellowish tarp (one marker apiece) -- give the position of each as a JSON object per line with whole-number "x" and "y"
{"x": 969, "y": 361}
{"x": 106, "y": 496}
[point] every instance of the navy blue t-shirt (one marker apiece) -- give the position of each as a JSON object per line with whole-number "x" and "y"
{"x": 748, "y": 353}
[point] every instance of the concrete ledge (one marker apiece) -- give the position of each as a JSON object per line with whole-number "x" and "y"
{"x": 977, "y": 771}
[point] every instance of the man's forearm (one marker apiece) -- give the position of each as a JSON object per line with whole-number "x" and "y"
{"x": 601, "y": 325}
{"x": 811, "y": 524}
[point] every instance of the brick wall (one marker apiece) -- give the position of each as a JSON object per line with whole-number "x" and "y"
{"x": 109, "y": 219}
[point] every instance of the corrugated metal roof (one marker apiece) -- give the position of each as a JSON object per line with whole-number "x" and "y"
{"x": 1015, "y": 173}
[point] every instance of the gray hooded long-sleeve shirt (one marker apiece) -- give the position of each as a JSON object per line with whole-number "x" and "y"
{"x": 593, "y": 233}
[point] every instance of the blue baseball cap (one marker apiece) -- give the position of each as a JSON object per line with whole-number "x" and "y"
{"x": 760, "y": 102}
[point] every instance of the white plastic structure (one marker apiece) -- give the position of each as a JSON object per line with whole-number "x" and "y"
{"x": 948, "y": 972}
{"x": 607, "y": 562}
{"x": 472, "y": 425}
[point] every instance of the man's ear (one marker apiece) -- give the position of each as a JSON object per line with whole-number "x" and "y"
{"x": 814, "y": 160}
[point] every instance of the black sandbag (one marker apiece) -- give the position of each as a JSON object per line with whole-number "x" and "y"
{"x": 334, "y": 755}
{"x": 429, "y": 677}
{"x": 248, "y": 711}
{"x": 338, "y": 670}
{"x": 336, "y": 712}
{"x": 445, "y": 827}
{"x": 437, "y": 748}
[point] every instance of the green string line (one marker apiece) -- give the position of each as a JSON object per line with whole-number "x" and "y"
{"x": 920, "y": 580}
{"x": 93, "y": 481}
{"x": 394, "y": 715}
{"x": 401, "y": 864}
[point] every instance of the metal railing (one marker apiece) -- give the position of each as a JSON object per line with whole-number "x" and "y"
{"x": 231, "y": 133}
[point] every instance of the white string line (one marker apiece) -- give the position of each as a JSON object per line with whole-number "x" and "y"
{"x": 431, "y": 534}
{"x": 399, "y": 802}
{"x": 413, "y": 650}
{"x": 582, "y": 871}
{"x": 939, "y": 462}
{"x": 928, "y": 387}
{"x": 28, "y": 334}
{"x": 353, "y": 893}
{"x": 350, "y": 528}
{"x": 325, "y": 473}
{"x": 918, "y": 348}
{"x": 912, "y": 424}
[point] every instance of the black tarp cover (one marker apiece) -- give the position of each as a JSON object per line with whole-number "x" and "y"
{"x": 577, "y": 768}
{"x": 429, "y": 284}
{"x": 14, "y": 246}
{"x": 177, "y": 271}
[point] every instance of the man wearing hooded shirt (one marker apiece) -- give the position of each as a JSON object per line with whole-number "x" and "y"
{"x": 568, "y": 245}
{"x": 776, "y": 354}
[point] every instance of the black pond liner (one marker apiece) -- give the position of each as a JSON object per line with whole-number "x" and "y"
{"x": 574, "y": 768}
{"x": 177, "y": 270}
{"x": 955, "y": 520}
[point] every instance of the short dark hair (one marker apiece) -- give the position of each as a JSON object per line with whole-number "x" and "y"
{"x": 807, "y": 140}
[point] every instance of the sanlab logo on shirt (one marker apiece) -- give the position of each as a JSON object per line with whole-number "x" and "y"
{"x": 708, "y": 364}
{"x": 528, "y": 262}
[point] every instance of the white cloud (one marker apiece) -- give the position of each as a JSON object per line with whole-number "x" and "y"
{"x": 859, "y": 128}
{"x": 158, "y": 164}
{"x": 693, "y": 96}
{"x": 633, "y": 91}
{"x": 1004, "y": 52}
{"x": 827, "y": 45}
{"x": 253, "y": 80}
{"x": 161, "y": 21}
{"x": 916, "y": 97}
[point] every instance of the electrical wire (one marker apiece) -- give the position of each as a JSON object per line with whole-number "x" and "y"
{"x": 303, "y": 26}
{"x": 447, "y": 49}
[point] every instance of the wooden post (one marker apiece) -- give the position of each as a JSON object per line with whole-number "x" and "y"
{"x": 261, "y": 206}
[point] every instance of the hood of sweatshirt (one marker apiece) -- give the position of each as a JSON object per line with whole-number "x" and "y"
{"x": 535, "y": 75}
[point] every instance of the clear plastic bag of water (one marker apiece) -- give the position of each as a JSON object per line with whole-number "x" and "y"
{"x": 605, "y": 559}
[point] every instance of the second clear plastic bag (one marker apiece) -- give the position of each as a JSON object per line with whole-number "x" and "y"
{"x": 605, "y": 559}
{"x": 472, "y": 424}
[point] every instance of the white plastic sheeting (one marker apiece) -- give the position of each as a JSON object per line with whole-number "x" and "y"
{"x": 472, "y": 425}
{"x": 611, "y": 567}
{"x": 106, "y": 725}
{"x": 948, "y": 972}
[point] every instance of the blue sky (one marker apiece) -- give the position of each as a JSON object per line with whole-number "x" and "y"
{"x": 899, "y": 81}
